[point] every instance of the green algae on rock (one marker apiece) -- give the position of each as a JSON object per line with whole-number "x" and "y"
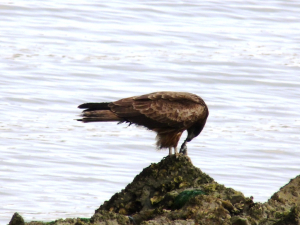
{"x": 184, "y": 197}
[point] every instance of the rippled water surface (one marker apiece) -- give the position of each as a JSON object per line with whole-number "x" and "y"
{"x": 242, "y": 57}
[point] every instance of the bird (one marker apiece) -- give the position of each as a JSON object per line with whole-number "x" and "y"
{"x": 167, "y": 113}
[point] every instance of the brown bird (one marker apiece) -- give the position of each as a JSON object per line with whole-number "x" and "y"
{"x": 167, "y": 113}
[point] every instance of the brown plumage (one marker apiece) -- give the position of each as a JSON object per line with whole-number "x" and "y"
{"x": 166, "y": 113}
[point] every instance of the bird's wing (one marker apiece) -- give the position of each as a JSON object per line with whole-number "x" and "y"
{"x": 174, "y": 109}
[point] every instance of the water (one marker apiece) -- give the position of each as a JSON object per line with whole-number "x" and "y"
{"x": 241, "y": 57}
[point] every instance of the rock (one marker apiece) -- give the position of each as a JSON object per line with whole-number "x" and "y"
{"x": 17, "y": 220}
{"x": 174, "y": 192}
{"x": 149, "y": 189}
{"x": 293, "y": 217}
{"x": 111, "y": 218}
{"x": 78, "y": 221}
{"x": 283, "y": 206}
{"x": 289, "y": 194}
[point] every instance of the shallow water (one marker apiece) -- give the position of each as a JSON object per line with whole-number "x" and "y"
{"x": 241, "y": 57}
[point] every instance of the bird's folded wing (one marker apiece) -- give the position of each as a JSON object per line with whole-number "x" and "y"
{"x": 174, "y": 110}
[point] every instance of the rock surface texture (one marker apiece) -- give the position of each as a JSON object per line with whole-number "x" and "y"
{"x": 175, "y": 192}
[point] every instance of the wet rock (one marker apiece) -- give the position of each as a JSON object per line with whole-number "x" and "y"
{"x": 293, "y": 217}
{"x": 175, "y": 192}
{"x": 184, "y": 197}
{"x": 289, "y": 194}
{"x": 236, "y": 220}
{"x": 156, "y": 182}
{"x": 17, "y": 220}
{"x": 78, "y": 221}
{"x": 105, "y": 217}
{"x": 281, "y": 207}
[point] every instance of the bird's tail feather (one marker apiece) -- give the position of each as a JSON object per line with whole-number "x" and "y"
{"x": 91, "y": 106}
{"x": 97, "y": 112}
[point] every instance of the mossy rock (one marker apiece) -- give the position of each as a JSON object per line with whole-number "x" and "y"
{"x": 184, "y": 197}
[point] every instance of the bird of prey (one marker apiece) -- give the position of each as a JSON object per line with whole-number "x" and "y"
{"x": 167, "y": 113}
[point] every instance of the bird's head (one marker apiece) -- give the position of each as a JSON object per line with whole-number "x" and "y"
{"x": 195, "y": 130}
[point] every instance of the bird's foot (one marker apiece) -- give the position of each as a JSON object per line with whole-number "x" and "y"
{"x": 183, "y": 148}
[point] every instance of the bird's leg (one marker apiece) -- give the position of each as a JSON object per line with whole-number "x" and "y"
{"x": 175, "y": 150}
{"x": 170, "y": 151}
{"x": 183, "y": 148}
{"x": 184, "y": 152}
